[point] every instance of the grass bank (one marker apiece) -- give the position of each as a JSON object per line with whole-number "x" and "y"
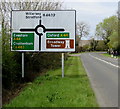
{"x": 51, "y": 90}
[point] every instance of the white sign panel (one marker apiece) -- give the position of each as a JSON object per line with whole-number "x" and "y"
{"x": 43, "y": 31}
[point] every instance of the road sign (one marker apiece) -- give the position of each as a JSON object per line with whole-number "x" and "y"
{"x": 23, "y": 41}
{"x": 43, "y": 31}
{"x": 59, "y": 44}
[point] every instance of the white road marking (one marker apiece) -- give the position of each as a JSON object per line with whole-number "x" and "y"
{"x": 104, "y": 61}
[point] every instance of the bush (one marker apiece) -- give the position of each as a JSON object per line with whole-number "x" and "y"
{"x": 101, "y": 46}
{"x": 35, "y": 63}
{"x": 78, "y": 49}
{"x": 86, "y": 47}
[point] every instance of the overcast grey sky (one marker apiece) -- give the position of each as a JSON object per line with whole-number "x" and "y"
{"x": 92, "y": 11}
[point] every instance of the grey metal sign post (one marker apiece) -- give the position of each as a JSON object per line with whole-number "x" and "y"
{"x": 22, "y": 65}
{"x": 62, "y": 65}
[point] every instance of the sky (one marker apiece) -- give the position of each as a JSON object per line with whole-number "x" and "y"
{"x": 92, "y": 12}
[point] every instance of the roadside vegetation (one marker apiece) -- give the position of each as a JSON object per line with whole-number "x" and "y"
{"x": 108, "y": 55}
{"x": 107, "y": 32}
{"x": 51, "y": 90}
{"x": 35, "y": 63}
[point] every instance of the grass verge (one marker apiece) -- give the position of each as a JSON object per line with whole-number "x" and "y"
{"x": 108, "y": 55}
{"x": 51, "y": 90}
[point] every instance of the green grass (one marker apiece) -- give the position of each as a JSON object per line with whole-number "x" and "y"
{"x": 51, "y": 90}
{"x": 106, "y": 54}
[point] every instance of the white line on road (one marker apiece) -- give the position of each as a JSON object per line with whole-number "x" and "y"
{"x": 104, "y": 61}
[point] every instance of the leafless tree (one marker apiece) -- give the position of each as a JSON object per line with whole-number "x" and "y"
{"x": 82, "y": 29}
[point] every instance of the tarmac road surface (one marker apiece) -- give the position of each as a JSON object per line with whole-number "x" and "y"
{"x": 103, "y": 74}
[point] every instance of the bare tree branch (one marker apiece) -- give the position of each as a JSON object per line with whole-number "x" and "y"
{"x": 82, "y": 29}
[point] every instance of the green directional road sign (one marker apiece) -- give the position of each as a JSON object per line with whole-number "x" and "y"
{"x": 57, "y": 35}
{"x": 22, "y": 41}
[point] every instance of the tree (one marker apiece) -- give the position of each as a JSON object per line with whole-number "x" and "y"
{"x": 113, "y": 43}
{"x": 77, "y": 40}
{"x": 101, "y": 46}
{"x": 82, "y": 29}
{"x": 93, "y": 44}
{"x": 86, "y": 47}
{"x": 100, "y": 31}
{"x": 9, "y": 65}
{"x": 107, "y": 27}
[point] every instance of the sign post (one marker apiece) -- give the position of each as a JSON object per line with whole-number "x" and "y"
{"x": 62, "y": 65}
{"x": 22, "y": 65}
{"x": 43, "y": 31}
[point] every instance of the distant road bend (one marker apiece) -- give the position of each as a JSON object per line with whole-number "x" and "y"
{"x": 103, "y": 74}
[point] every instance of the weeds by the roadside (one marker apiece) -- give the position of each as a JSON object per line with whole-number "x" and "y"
{"x": 51, "y": 90}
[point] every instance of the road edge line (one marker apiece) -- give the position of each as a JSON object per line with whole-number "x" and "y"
{"x": 104, "y": 61}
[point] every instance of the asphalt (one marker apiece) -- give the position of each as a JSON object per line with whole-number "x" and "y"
{"x": 103, "y": 75}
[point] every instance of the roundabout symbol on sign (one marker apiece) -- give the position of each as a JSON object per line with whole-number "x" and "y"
{"x": 40, "y": 33}
{"x": 42, "y": 27}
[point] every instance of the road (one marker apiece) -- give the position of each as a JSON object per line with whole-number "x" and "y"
{"x": 103, "y": 74}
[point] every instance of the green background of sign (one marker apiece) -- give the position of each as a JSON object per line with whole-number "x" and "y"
{"x": 29, "y": 38}
{"x": 57, "y": 35}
